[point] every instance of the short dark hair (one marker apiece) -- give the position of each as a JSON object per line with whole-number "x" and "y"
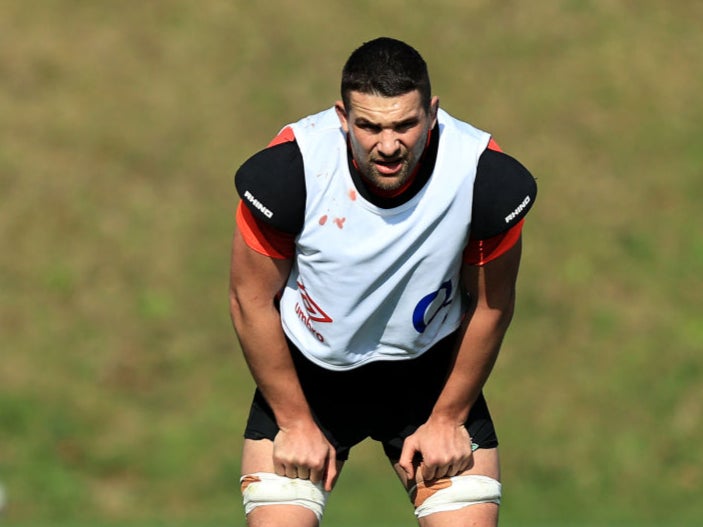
{"x": 387, "y": 67}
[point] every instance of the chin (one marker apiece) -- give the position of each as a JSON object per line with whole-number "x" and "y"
{"x": 389, "y": 183}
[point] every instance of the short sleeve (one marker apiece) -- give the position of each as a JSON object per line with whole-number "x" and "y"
{"x": 504, "y": 191}
{"x": 271, "y": 184}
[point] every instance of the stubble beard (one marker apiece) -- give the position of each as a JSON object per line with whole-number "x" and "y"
{"x": 388, "y": 183}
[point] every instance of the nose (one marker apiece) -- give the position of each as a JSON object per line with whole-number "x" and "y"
{"x": 388, "y": 144}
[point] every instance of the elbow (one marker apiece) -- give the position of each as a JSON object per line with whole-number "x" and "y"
{"x": 506, "y": 310}
{"x": 236, "y": 311}
{"x": 505, "y": 316}
{"x": 498, "y": 315}
{"x": 247, "y": 307}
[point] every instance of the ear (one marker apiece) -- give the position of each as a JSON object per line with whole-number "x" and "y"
{"x": 342, "y": 114}
{"x": 434, "y": 106}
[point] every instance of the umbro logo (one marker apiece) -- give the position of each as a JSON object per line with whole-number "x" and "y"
{"x": 310, "y": 312}
{"x": 314, "y": 312}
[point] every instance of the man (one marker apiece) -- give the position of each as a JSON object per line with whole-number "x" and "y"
{"x": 372, "y": 281}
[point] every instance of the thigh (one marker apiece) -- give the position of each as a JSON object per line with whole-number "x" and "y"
{"x": 257, "y": 456}
{"x": 486, "y": 463}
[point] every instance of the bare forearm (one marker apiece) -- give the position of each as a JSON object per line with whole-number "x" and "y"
{"x": 267, "y": 354}
{"x": 477, "y": 354}
{"x": 492, "y": 290}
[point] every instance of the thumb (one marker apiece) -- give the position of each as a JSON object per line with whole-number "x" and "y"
{"x": 406, "y": 459}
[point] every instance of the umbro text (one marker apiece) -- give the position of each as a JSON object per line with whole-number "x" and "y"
{"x": 308, "y": 324}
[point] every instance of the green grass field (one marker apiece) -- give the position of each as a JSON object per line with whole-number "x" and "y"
{"x": 122, "y": 391}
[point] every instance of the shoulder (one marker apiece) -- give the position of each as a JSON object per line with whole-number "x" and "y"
{"x": 271, "y": 183}
{"x": 504, "y": 191}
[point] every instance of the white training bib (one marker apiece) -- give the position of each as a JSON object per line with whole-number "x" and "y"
{"x": 370, "y": 283}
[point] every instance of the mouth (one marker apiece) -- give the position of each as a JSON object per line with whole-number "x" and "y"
{"x": 389, "y": 168}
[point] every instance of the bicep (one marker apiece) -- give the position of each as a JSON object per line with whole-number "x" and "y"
{"x": 255, "y": 278}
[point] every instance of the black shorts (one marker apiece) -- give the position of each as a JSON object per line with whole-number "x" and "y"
{"x": 384, "y": 400}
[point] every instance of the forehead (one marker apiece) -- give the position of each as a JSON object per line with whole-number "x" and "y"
{"x": 381, "y": 110}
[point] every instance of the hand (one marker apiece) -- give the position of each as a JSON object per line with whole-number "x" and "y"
{"x": 445, "y": 448}
{"x": 305, "y": 453}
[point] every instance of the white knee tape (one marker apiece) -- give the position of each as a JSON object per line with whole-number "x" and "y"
{"x": 263, "y": 488}
{"x": 450, "y": 494}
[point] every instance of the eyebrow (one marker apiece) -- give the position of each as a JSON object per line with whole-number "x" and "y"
{"x": 397, "y": 124}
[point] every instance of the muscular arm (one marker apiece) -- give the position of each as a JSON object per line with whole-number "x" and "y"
{"x": 300, "y": 449}
{"x": 254, "y": 281}
{"x": 504, "y": 191}
{"x": 443, "y": 440}
{"x": 492, "y": 291}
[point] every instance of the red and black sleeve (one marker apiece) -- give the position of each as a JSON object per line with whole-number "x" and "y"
{"x": 271, "y": 187}
{"x": 504, "y": 192}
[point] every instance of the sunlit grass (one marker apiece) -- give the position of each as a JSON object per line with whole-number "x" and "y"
{"x": 122, "y": 395}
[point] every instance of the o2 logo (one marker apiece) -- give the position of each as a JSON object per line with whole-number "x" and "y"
{"x": 431, "y": 305}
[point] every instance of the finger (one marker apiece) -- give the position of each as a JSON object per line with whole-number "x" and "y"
{"x": 406, "y": 460}
{"x": 465, "y": 464}
{"x": 291, "y": 471}
{"x": 457, "y": 468}
{"x": 330, "y": 472}
{"x": 430, "y": 472}
{"x": 317, "y": 475}
{"x": 303, "y": 473}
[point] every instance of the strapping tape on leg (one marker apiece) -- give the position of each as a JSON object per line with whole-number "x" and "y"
{"x": 450, "y": 494}
{"x": 263, "y": 488}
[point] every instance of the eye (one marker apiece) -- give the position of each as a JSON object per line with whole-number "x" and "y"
{"x": 405, "y": 126}
{"x": 370, "y": 127}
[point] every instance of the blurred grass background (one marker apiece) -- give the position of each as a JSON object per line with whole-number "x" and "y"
{"x": 122, "y": 392}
